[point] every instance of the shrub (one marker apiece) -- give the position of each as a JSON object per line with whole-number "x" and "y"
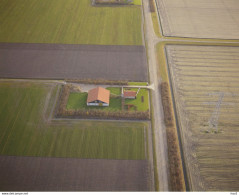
{"x": 174, "y": 156}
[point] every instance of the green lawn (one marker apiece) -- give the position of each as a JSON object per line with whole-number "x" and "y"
{"x": 69, "y": 22}
{"x": 141, "y": 106}
{"x": 23, "y": 131}
{"x": 114, "y": 90}
{"x": 138, "y": 83}
{"x": 137, "y": 2}
{"x": 78, "y": 101}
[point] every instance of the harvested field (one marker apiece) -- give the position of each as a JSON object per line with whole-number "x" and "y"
{"x": 25, "y": 129}
{"x": 57, "y": 61}
{"x": 205, "y": 81}
{"x": 68, "y": 174}
{"x": 200, "y": 18}
{"x": 69, "y": 22}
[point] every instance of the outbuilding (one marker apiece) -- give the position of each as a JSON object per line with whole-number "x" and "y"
{"x": 98, "y": 97}
{"x": 130, "y": 94}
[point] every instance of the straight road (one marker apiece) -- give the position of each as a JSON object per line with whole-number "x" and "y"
{"x": 159, "y": 127}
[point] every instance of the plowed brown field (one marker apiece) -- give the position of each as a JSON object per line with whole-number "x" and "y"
{"x": 205, "y": 82}
{"x": 69, "y": 174}
{"x": 58, "y": 61}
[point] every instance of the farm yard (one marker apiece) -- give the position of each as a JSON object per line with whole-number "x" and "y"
{"x": 77, "y": 100}
{"x": 69, "y": 22}
{"x": 59, "y": 61}
{"x": 216, "y": 19}
{"x": 79, "y": 174}
{"x": 205, "y": 83}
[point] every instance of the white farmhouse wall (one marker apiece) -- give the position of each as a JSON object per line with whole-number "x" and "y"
{"x": 97, "y": 104}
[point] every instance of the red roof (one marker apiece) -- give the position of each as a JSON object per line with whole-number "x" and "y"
{"x": 130, "y": 93}
{"x": 100, "y": 94}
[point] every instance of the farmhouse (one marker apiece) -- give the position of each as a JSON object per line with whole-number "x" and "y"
{"x": 130, "y": 94}
{"x": 98, "y": 97}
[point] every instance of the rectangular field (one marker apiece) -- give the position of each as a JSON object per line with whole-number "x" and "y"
{"x": 25, "y": 130}
{"x": 200, "y": 18}
{"x": 69, "y": 22}
{"x": 58, "y": 61}
{"x": 64, "y": 174}
{"x": 205, "y": 82}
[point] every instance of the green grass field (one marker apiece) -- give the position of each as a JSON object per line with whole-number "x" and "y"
{"x": 69, "y": 22}
{"x": 23, "y": 131}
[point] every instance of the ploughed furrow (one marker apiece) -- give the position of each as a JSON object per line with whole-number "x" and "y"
{"x": 205, "y": 82}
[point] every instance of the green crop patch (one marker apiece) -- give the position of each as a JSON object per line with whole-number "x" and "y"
{"x": 24, "y": 130}
{"x": 69, "y": 22}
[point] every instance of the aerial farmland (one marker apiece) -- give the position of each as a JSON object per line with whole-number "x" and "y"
{"x": 76, "y": 41}
{"x": 119, "y": 95}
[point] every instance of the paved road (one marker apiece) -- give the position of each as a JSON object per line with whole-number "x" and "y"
{"x": 159, "y": 127}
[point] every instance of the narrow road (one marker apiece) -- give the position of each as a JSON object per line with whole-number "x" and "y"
{"x": 159, "y": 127}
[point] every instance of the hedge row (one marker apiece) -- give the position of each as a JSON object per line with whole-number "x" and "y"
{"x": 177, "y": 182}
{"x": 112, "y": 2}
{"x": 98, "y": 81}
{"x": 151, "y": 6}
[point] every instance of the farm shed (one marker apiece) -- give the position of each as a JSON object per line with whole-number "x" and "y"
{"x": 98, "y": 97}
{"x": 130, "y": 94}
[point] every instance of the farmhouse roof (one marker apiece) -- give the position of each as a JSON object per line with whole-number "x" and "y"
{"x": 130, "y": 93}
{"x": 99, "y": 93}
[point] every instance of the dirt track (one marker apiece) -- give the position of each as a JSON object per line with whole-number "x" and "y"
{"x": 58, "y": 61}
{"x": 68, "y": 174}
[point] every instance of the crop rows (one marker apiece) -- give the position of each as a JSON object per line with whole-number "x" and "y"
{"x": 200, "y": 75}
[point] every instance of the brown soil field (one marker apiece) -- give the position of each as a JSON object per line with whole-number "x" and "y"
{"x": 200, "y": 18}
{"x": 68, "y": 174}
{"x": 205, "y": 83}
{"x": 60, "y": 61}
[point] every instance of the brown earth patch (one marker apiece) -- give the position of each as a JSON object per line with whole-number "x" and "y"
{"x": 62, "y": 61}
{"x": 69, "y": 174}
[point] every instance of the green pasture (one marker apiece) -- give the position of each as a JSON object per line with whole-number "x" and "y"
{"x": 24, "y": 132}
{"x": 69, "y": 22}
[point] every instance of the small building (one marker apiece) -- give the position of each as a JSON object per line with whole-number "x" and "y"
{"x": 98, "y": 97}
{"x": 130, "y": 94}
